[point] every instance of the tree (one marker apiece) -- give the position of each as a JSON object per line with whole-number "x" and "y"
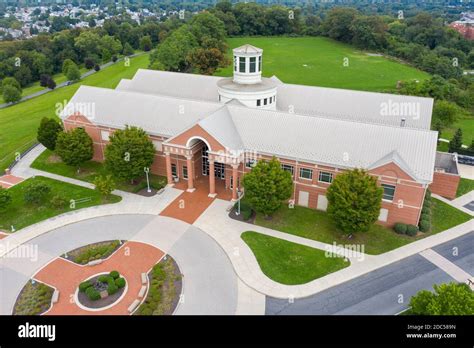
{"x": 456, "y": 142}
{"x": 66, "y": 64}
{"x": 128, "y": 153}
{"x": 267, "y": 186}
{"x": 104, "y": 184}
{"x": 44, "y": 80}
{"x": 445, "y": 112}
{"x": 73, "y": 73}
{"x": 354, "y": 200}
{"x": 369, "y": 32}
{"x": 206, "y": 60}
{"x": 127, "y": 49}
{"x": 74, "y": 147}
{"x": 447, "y": 299}
{"x": 145, "y": 43}
{"x": 337, "y": 24}
{"x": 173, "y": 52}
{"x": 5, "y": 199}
{"x": 438, "y": 126}
{"x": 51, "y": 84}
{"x": 89, "y": 63}
{"x": 11, "y": 94}
{"x": 48, "y": 132}
{"x": 36, "y": 192}
{"x": 97, "y": 67}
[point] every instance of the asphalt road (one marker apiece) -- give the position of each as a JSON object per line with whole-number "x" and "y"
{"x": 385, "y": 291}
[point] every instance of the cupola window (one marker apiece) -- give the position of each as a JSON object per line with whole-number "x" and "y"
{"x": 253, "y": 64}
{"x": 242, "y": 64}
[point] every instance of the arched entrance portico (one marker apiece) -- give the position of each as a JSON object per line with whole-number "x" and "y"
{"x": 196, "y": 166}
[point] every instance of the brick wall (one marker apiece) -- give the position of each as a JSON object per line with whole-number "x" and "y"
{"x": 445, "y": 184}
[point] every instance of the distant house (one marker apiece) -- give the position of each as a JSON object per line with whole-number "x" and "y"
{"x": 209, "y": 131}
{"x": 465, "y": 26}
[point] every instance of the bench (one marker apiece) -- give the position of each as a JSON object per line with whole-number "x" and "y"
{"x": 142, "y": 291}
{"x": 95, "y": 262}
{"x": 55, "y": 296}
{"x": 470, "y": 282}
{"x": 133, "y": 306}
{"x": 144, "y": 278}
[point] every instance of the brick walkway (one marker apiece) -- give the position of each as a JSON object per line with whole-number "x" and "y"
{"x": 132, "y": 259}
{"x": 189, "y": 206}
{"x": 7, "y": 181}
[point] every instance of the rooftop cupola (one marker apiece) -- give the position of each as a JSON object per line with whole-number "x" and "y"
{"x": 247, "y": 64}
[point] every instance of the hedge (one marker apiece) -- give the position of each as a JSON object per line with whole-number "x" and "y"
{"x": 120, "y": 282}
{"x": 92, "y": 293}
{"x": 412, "y": 230}
{"x": 114, "y": 274}
{"x": 425, "y": 226}
{"x": 84, "y": 286}
{"x": 400, "y": 228}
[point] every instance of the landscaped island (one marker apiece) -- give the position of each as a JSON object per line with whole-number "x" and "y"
{"x": 101, "y": 290}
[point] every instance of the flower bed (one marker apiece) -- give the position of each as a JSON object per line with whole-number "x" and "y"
{"x": 91, "y": 252}
{"x": 34, "y": 299}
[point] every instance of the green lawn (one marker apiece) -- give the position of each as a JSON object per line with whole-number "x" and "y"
{"x": 290, "y": 263}
{"x": 318, "y": 61}
{"x": 465, "y": 186}
{"x": 51, "y": 163}
{"x": 445, "y": 216}
{"x": 317, "y": 225}
{"x": 466, "y": 124}
{"x": 18, "y": 123}
{"x": 20, "y": 214}
{"x": 35, "y": 87}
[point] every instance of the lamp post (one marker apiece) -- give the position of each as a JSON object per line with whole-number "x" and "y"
{"x": 240, "y": 196}
{"x": 147, "y": 170}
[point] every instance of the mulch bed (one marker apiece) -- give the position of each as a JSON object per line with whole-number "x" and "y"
{"x": 144, "y": 192}
{"x": 73, "y": 254}
{"x": 240, "y": 217}
{"x": 103, "y": 302}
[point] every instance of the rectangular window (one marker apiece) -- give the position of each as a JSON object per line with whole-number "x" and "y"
{"x": 242, "y": 64}
{"x": 174, "y": 171}
{"x": 250, "y": 163}
{"x": 235, "y": 63}
{"x": 274, "y": 98}
{"x": 265, "y": 101}
{"x": 253, "y": 64}
{"x": 185, "y": 172}
{"x": 260, "y": 63}
{"x": 388, "y": 192}
{"x": 288, "y": 168}
{"x": 306, "y": 173}
{"x": 105, "y": 135}
{"x": 258, "y": 102}
{"x": 270, "y": 100}
{"x": 325, "y": 177}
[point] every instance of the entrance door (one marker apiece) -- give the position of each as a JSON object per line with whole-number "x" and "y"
{"x": 219, "y": 170}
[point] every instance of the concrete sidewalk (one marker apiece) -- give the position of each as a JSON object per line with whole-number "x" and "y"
{"x": 227, "y": 231}
{"x": 460, "y": 202}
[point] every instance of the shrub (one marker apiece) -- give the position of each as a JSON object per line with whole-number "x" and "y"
{"x": 400, "y": 228}
{"x": 84, "y": 286}
{"x": 426, "y": 210}
{"x": 92, "y": 293}
{"x": 48, "y": 131}
{"x": 104, "y": 278}
{"x": 97, "y": 67}
{"x": 120, "y": 282}
{"x": 245, "y": 210}
{"x": 58, "y": 202}
{"x": 412, "y": 230}
{"x": 112, "y": 288}
{"x": 425, "y": 226}
{"x": 5, "y": 199}
{"x": 158, "y": 272}
{"x": 425, "y": 216}
{"x": 427, "y": 203}
{"x": 36, "y": 192}
{"x": 114, "y": 274}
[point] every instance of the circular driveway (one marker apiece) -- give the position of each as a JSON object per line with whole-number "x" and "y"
{"x": 209, "y": 281}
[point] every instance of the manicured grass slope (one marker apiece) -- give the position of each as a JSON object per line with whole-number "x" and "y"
{"x": 290, "y": 263}
{"x": 19, "y": 123}
{"x": 445, "y": 216}
{"x": 317, "y": 225}
{"x": 49, "y": 162}
{"x": 318, "y": 61}
{"x": 20, "y": 214}
{"x": 465, "y": 186}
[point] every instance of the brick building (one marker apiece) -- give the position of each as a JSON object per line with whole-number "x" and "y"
{"x": 211, "y": 130}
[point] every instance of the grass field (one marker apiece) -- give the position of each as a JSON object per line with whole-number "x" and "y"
{"x": 290, "y": 263}
{"x": 317, "y": 225}
{"x": 49, "y": 162}
{"x": 35, "y": 87}
{"x": 18, "y": 123}
{"x": 319, "y": 61}
{"x": 20, "y": 214}
{"x": 465, "y": 186}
